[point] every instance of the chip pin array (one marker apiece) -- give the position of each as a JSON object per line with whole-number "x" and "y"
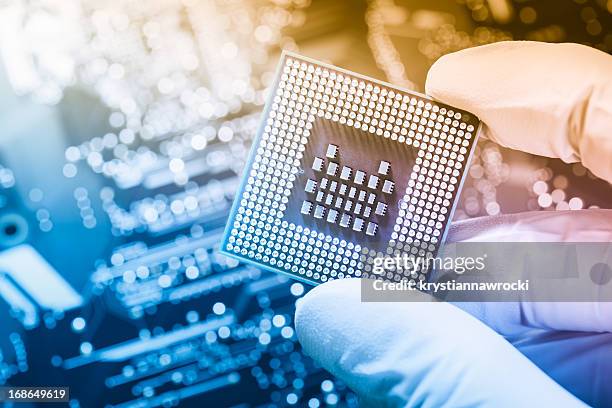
{"x": 343, "y": 239}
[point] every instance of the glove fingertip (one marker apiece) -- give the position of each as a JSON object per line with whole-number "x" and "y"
{"x": 318, "y": 310}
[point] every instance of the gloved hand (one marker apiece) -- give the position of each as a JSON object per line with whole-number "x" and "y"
{"x": 549, "y": 99}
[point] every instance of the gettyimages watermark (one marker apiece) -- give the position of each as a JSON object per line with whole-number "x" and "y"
{"x": 412, "y": 266}
{"x": 492, "y": 272}
{"x": 416, "y": 264}
{"x": 453, "y": 285}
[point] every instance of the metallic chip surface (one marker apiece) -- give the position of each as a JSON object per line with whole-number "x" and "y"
{"x": 346, "y": 169}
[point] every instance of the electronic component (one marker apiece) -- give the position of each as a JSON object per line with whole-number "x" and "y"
{"x": 372, "y": 228}
{"x": 324, "y": 182}
{"x": 306, "y": 207}
{"x": 332, "y": 151}
{"x": 383, "y": 136}
{"x": 346, "y": 173}
{"x": 332, "y": 216}
{"x": 384, "y": 167}
{"x": 358, "y": 208}
{"x": 332, "y": 186}
{"x": 359, "y": 177}
{"x": 332, "y": 168}
{"x": 311, "y": 186}
{"x": 373, "y": 182}
{"x": 345, "y": 221}
{"x": 358, "y": 224}
{"x": 388, "y": 186}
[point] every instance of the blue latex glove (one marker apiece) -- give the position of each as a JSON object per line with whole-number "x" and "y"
{"x": 497, "y": 354}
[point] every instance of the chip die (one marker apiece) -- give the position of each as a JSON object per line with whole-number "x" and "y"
{"x": 345, "y": 169}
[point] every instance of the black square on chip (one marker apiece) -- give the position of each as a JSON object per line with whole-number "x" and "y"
{"x": 368, "y": 164}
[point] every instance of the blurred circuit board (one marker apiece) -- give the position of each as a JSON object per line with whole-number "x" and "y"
{"x": 124, "y": 129}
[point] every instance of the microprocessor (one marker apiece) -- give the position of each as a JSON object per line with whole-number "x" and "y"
{"x": 345, "y": 169}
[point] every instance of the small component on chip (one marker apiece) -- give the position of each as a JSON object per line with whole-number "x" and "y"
{"x": 373, "y": 182}
{"x": 329, "y": 199}
{"x": 317, "y": 164}
{"x": 371, "y": 198}
{"x": 352, "y": 192}
{"x": 306, "y": 207}
{"x": 362, "y": 195}
{"x": 338, "y": 202}
{"x": 320, "y": 196}
{"x": 348, "y": 205}
{"x": 332, "y": 215}
{"x": 346, "y": 173}
{"x": 388, "y": 187}
{"x": 332, "y": 151}
{"x": 381, "y": 209}
{"x": 359, "y": 177}
{"x": 384, "y": 167}
{"x": 345, "y": 221}
{"x": 367, "y": 211}
{"x": 357, "y": 209}
{"x": 372, "y": 228}
{"x": 332, "y": 168}
{"x": 332, "y": 186}
{"x": 343, "y": 188}
{"x": 311, "y": 186}
{"x": 324, "y": 182}
{"x": 319, "y": 211}
{"x": 358, "y": 224}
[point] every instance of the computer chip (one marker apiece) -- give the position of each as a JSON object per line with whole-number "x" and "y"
{"x": 396, "y": 160}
